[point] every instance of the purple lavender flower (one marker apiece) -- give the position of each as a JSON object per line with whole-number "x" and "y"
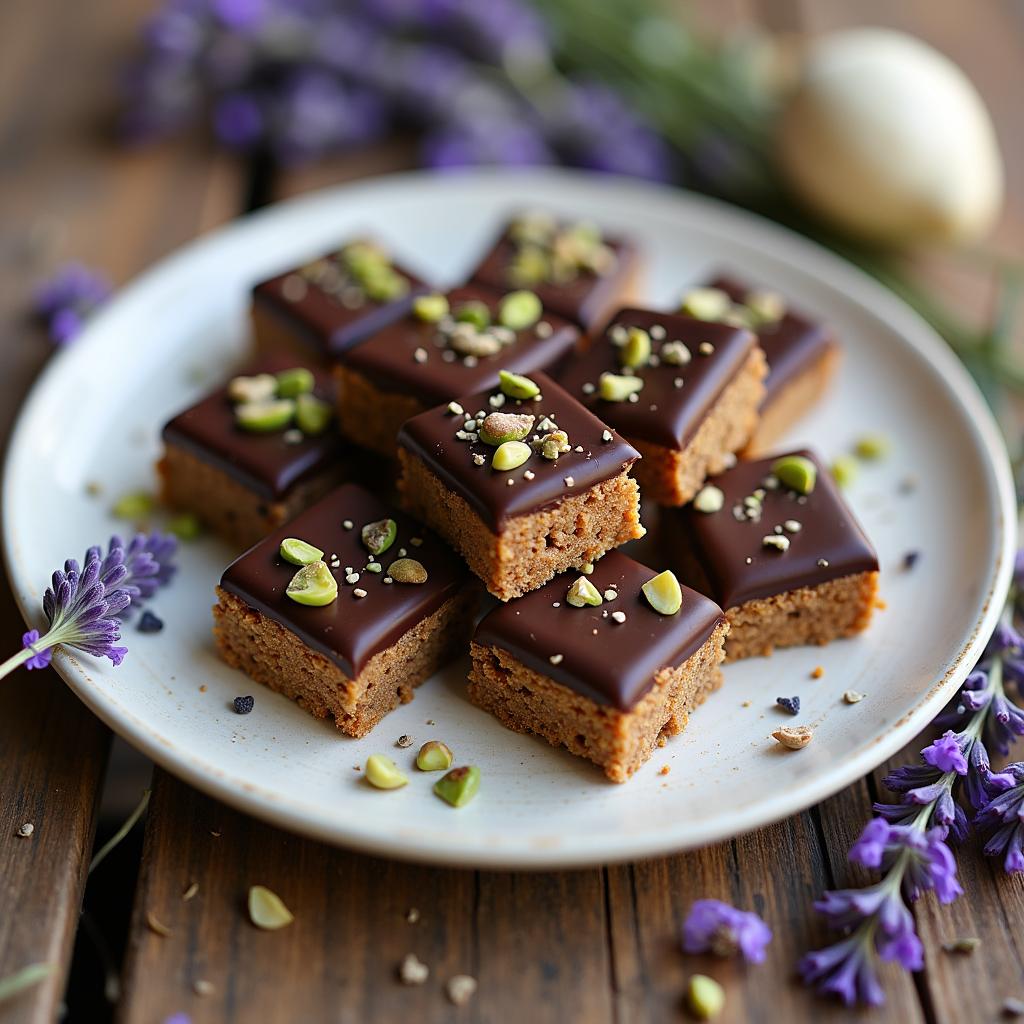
{"x": 946, "y": 753}
{"x": 1002, "y": 820}
{"x": 65, "y": 301}
{"x": 83, "y": 603}
{"x": 714, "y": 926}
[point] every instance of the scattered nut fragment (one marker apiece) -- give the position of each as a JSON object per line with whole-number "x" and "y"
{"x": 404, "y": 741}
{"x": 705, "y": 997}
{"x": 499, "y": 427}
{"x": 460, "y": 989}
{"x": 407, "y": 570}
{"x": 383, "y": 773}
{"x": 202, "y": 987}
{"x": 156, "y": 925}
{"x": 267, "y": 909}
{"x": 967, "y": 944}
{"x": 853, "y": 696}
{"x": 434, "y": 756}
{"x": 412, "y": 915}
{"x": 709, "y": 499}
{"x": 24, "y": 831}
{"x": 190, "y": 892}
{"x": 412, "y": 970}
{"x": 794, "y": 737}
{"x": 817, "y": 672}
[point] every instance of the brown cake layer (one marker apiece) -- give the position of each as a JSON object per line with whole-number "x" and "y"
{"x": 617, "y": 741}
{"x": 274, "y": 656}
{"x": 370, "y": 416}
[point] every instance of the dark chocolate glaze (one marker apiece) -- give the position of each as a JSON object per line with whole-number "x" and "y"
{"x": 265, "y": 463}
{"x": 721, "y": 544}
{"x": 617, "y": 666}
{"x": 351, "y": 630}
{"x": 586, "y": 299}
{"x": 322, "y": 322}
{"x": 387, "y": 359}
{"x": 678, "y": 411}
{"x": 791, "y": 346}
{"x": 430, "y": 436}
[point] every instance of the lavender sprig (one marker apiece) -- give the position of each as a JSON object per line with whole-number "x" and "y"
{"x": 1001, "y": 819}
{"x": 84, "y": 604}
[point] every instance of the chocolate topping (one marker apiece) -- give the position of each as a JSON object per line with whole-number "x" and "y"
{"x": 350, "y": 630}
{"x": 664, "y": 413}
{"x": 389, "y": 359}
{"x": 827, "y": 544}
{"x": 790, "y": 345}
{"x": 532, "y": 630}
{"x": 320, "y": 319}
{"x": 265, "y": 463}
{"x": 586, "y": 299}
{"x": 431, "y": 437}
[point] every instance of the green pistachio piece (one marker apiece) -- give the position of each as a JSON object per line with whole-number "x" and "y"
{"x": 499, "y": 427}
{"x": 663, "y": 593}
{"x": 675, "y": 353}
{"x": 637, "y": 349}
{"x": 294, "y": 382}
{"x": 552, "y": 445}
{"x": 382, "y": 773}
{"x": 459, "y": 786}
{"x": 516, "y": 386}
{"x": 872, "y": 446}
{"x": 614, "y": 388}
{"x": 407, "y": 570}
{"x": 312, "y": 414}
{"x": 709, "y": 499}
{"x": 845, "y": 470}
{"x": 385, "y": 285}
{"x": 434, "y": 756}
{"x": 582, "y": 593}
{"x": 378, "y": 536}
{"x": 530, "y": 266}
{"x": 299, "y": 552}
{"x": 365, "y": 257}
{"x": 134, "y": 506}
{"x": 185, "y": 526}
{"x": 265, "y": 417}
{"x": 765, "y": 307}
{"x": 519, "y": 310}
{"x": 468, "y": 341}
{"x": 430, "y": 308}
{"x": 796, "y": 472}
{"x": 510, "y": 455}
{"x": 534, "y": 226}
{"x": 313, "y": 585}
{"x": 252, "y": 389}
{"x": 474, "y": 312}
{"x": 267, "y": 910}
{"x": 705, "y": 997}
{"x": 706, "y": 303}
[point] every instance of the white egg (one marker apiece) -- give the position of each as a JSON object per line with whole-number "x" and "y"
{"x": 888, "y": 139}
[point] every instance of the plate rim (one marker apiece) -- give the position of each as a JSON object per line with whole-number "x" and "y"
{"x": 789, "y": 248}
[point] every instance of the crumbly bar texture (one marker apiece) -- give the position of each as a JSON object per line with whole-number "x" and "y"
{"x": 529, "y": 549}
{"x": 272, "y": 655}
{"x": 228, "y": 507}
{"x": 618, "y": 742}
{"x": 371, "y": 417}
{"x": 671, "y": 476}
{"x": 785, "y": 407}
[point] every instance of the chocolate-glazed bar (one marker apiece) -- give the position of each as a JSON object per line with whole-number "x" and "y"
{"x": 695, "y": 403}
{"x": 415, "y": 363}
{"x": 575, "y": 269}
{"x": 564, "y": 500}
{"x": 329, "y": 304}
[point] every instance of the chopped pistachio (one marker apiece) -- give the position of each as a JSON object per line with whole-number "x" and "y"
{"x": 294, "y": 382}
{"x": 663, "y": 593}
{"x": 313, "y": 585}
{"x": 637, "y": 350}
{"x": 853, "y": 696}
{"x": 675, "y": 353}
{"x": 796, "y": 472}
{"x": 468, "y": 341}
{"x": 709, "y": 499}
{"x": 383, "y": 773}
{"x": 312, "y": 414}
{"x": 455, "y": 409}
{"x": 434, "y": 756}
{"x": 519, "y": 310}
{"x": 412, "y": 970}
{"x": 536, "y": 226}
{"x": 765, "y": 307}
{"x": 378, "y": 536}
{"x": 135, "y": 506}
{"x": 871, "y": 447}
{"x": 706, "y": 998}
{"x": 185, "y": 526}
{"x": 459, "y": 786}
{"x": 583, "y": 593}
{"x": 615, "y": 388}
{"x": 776, "y": 541}
{"x": 516, "y": 386}
{"x": 267, "y": 909}
{"x": 706, "y": 303}
{"x": 407, "y": 570}
{"x": 299, "y": 552}
{"x": 510, "y": 455}
{"x": 499, "y": 427}
{"x": 794, "y": 737}
{"x": 265, "y": 417}
{"x": 260, "y": 388}
{"x": 529, "y": 266}
{"x": 430, "y": 308}
{"x": 385, "y": 285}
{"x": 844, "y": 470}
{"x": 553, "y": 444}
{"x": 473, "y": 312}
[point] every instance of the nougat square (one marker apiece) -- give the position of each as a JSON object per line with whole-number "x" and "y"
{"x": 789, "y": 568}
{"x": 360, "y": 656}
{"x": 608, "y": 681}
{"x": 570, "y": 501}
{"x": 320, "y": 309}
{"x": 693, "y": 402}
{"x": 242, "y": 482}
{"x": 579, "y": 271}
{"x": 416, "y": 363}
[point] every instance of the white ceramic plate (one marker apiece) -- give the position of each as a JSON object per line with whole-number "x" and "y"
{"x": 96, "y": 413}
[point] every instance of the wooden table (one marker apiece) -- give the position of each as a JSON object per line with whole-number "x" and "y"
{"x": 592, "y": 945}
